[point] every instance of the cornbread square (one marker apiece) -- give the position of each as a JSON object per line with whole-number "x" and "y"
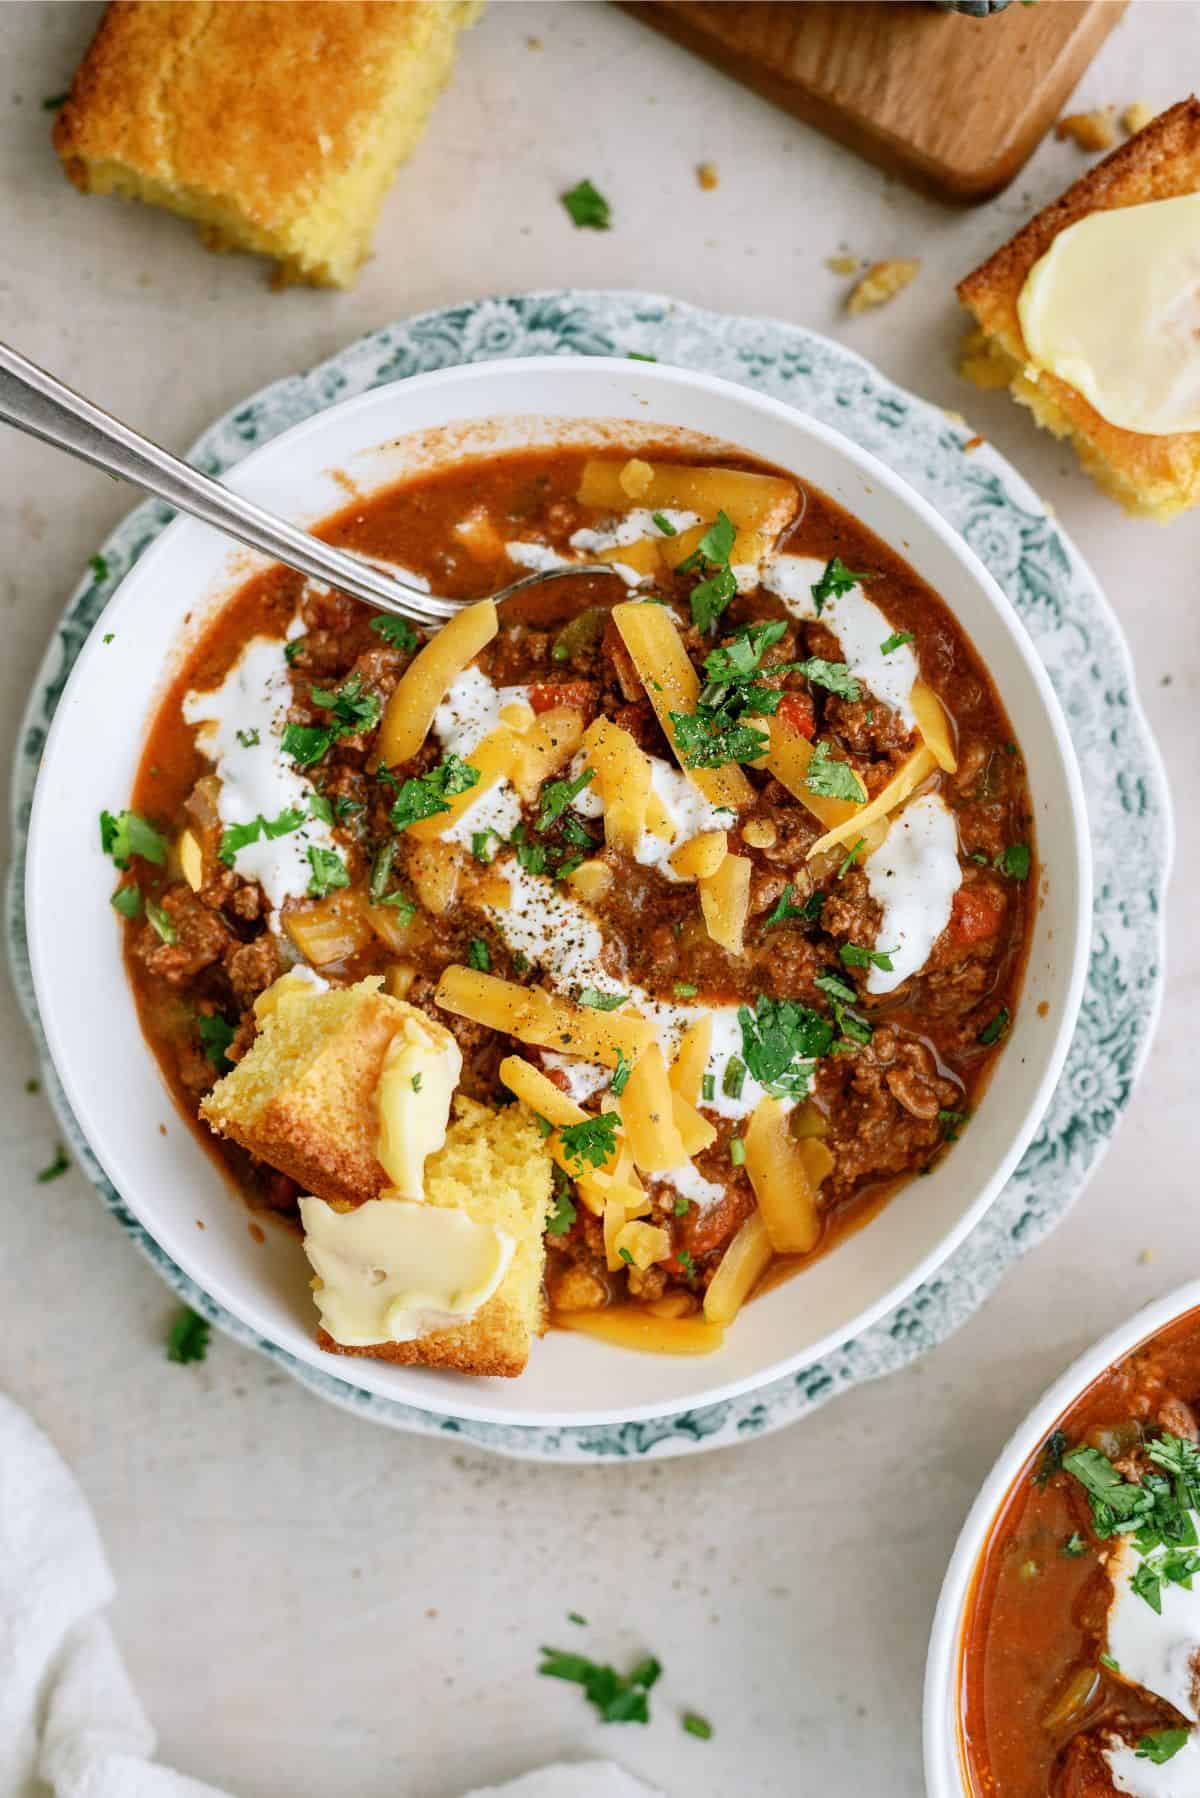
{"x": 276, "y": 124}
{"x": 495, "y": 1168}
{"x": 1154, "y": 475}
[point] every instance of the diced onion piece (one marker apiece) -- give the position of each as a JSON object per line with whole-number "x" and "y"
{"x": 538, "y": 1017}
{"x": 635, "y": 476}
{"x": 191, "y": 859}
{"x": 494, "y": 759}
{"x": 425, "y": 682}
{"x": 539, "y": 1092}
{"x": 701, "y": 855}
{"x": 615, "y": 1210}
{"x": 392, "y": 926}
{"x": 748, "y": 546}
{"x": 809, "y": 1120}
{"x": 787, "y": 1199}
{"x": 330, "y": 929}
{"x": 642, "y": 556}
{"x": 919, "y": 765}
{"x": 695, "y": 1131}
{"x": 651, "y": 636}
{"x": 643, "y": 1243}
{"x": 673, "y": 1304}
{"x": 691, "y": 1059}
{"x": 633, "y": 1327}
{"x": 622, "y": 780}
{"x": 590, "y": 880}
{"x": 933, "y": 725}
{"x": 725, "y": 903}
{"x": 739, "y": 1270}
{"x": 434, "y": 868}
{"x": 547, "y": 746}
{"x": 750, "y": 501}
{"x": 398, "y": 979}
{"x": 647, "y": 1111}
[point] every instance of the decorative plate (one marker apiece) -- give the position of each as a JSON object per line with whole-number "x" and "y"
{"x": 1076, "y": 636}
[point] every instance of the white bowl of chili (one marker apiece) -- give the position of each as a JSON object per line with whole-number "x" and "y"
{"x": 1015, "y": 1594}
{"x": 91, "y": 762}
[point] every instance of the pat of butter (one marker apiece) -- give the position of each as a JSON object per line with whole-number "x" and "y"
{"x": 1113, "y": 309}
{"x": 420, "y": 1072}
{"x": 392, "y": 1270}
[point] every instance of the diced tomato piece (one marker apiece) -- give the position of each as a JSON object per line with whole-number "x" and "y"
{"x": 796, "y": 710}
{"x": 976, "y": 913}
{"x": 580, "y": 694}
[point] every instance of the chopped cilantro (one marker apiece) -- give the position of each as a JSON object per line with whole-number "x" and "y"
{"x": 664, "y": 524}
{"x": 129, "y": 834}
{"x": 843, "y": 998}
{"x": 696, "y": 1725}
{"x": 1106, "y": 1660}
{"x": 51, "y": 103}
{"x": 853, "y": 956}
{"x": 484, "y": 844}
{"x": 598, "y": 1001}
{"x": 533, "y": 857}
{"x": 249, "y": 739}
{"x": 626, "y": 1257}
{"x": 128, "y": 901}
{"x": 1161, "y": 1745}
{"x": 621, "y": 1073}
{"x": 835, "y": 676}
{"x": 347, "y": 808}
{"x": 320, "y": 807}
{"x": 240, "y": 836}
{"x": 292, "y": 649}
{"x": 305, "y": 743}
{"x": 161, "y": 921}
{"x": 415, "y": 1082}
{"x": 563, "y": 1215}
{"x": 897, "y": 640}
{"x": 556, "y": 796}
{"x": 188, "y": 1338}
{"x": 215, "y": 1037}
{"x": 56, "y": 1168}
{"x": 1074, "y": 1546}
{"x": 780, "y": 1041}
{"x": 830, "y": 778}
{"x": 618, "y": 1698}
{"x": 837, "y": 579}
{"x": 680, "y": 1206}
{"x": 784, "y": 910}
{"x": 737, "y": 1151}
{"x": 479, "y": 955}
{"x": 426, "y": 795}
{"x": 849, "y": 859}
{"x": 587, "y": 207}
{"x": 397, "y": 632}
{"x": 593, "y": 1140}
{"x": 1014, "y": 861}
{"x": 709, "y": 598}
{"x": 952, "y": 1123}
{"x": 996, "y": 1030}
{"x": 741, "y": 656}
{"x": 404, "y": 907}
{"x": 708, "y": 1088}
{"x": 687, "y": 1264}
{"x": 328, "y": 871}
{"x": 708, "y": 738}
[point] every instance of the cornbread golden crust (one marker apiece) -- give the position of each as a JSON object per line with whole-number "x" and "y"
{"x": 494, "y": 1167}
{"x": 1156, "y": 476}
{"x": 277, "y": 125}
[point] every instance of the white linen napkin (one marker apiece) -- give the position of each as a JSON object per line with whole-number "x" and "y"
{"x": 69, "y": 1718}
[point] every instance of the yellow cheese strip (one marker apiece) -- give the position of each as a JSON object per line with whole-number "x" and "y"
{"x": 695, "y": 1131}
{"x": 933, "y": 725}
{"x": 787, "y": 759}
{"x": 644, "y": 1244}
{"x": 595, "y": 1186}
{"x": 541, "y": 1018}
{"x": 647, "y": 1112}
{"x": 641, "y": 555}
{"x": 787, "y": 1199}
{"x": 652, "y": 638}
{"x": 590, "y": 880}
{"x": 633, "y": 1327}
{"x": 425, "y": 682}
{"x": 494, "y": 757}
{"x": 725, "y": 903}
{"x": 748, "y": 546}
{"x": 539, "y": 1092}
{"x": 701, "y": 855}
{"x": 547, "y": 746}
{"x": 750, "y": 501}
{"x": 691, "y": 1059}
{"x": 329, "y": 929}
{"x": 918, "y": 767}
{"x": 622, "y": 781}
{"x": 739, "y": 1270}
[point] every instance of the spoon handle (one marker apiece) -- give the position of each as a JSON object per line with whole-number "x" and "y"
{"x": 38, "y": 404}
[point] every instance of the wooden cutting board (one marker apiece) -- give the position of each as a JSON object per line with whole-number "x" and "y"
{"x": 955, "y": 105}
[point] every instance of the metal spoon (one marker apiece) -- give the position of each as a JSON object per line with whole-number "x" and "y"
{"x": 40, "y": 405}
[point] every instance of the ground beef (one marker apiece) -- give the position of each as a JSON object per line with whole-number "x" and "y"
{"x": 252, "y": 967}
{"x": 873, "y": 1135}
{"x": 850, "y": 912}
{"x": 869, "y": 728}
{"x": 200, "y": 938}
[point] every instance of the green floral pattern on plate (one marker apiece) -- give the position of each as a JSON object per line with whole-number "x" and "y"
{"x": 1075, "y": 634}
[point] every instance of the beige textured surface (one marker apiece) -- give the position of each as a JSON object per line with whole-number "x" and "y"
{"x": 242, "y": 1517}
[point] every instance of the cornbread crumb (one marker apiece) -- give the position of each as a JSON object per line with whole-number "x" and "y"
{"x": 276, "y": 128}
{"x": 1156, "y": 476}
{"x": 1136, "y": 117}
{"x": 1145, "y": 1257}
{"x": 842, "y": 265}
{"x": 1088, "y": 130}
{"x": 707, "y": 176}
{"x": 534, "y": 43}
{"x": 882, "y": 283}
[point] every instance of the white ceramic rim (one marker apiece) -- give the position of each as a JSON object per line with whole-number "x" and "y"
{"x": 945, "y": 1768}
{"x": 1076, "y": 855}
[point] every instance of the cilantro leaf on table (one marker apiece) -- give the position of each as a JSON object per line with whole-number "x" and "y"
{"x": 188, "y": 1338}
{"x": 619, "y": 1698}
{"x": 587, "y": 207}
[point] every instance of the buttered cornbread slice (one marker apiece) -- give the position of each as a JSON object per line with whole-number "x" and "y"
{"x": 1090, "y": 317}
{"x": 277, "y": 125}
{"x": 425, "y": 1231}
